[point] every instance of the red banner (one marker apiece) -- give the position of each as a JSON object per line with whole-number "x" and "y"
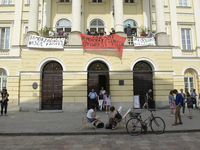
{"x": 100, "y": 42}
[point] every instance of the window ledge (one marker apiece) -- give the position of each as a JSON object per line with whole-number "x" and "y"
{"x": 164, "y": 6}
{"x": 183, "y": 7}
{"x": 4, "y": 49}
{"x": 130, "y": 3}
{"x": 6, "y": 5}
{"x": 64, "y": 3}
{"x": 97, "y": 3}
{"x": 186, "y": 50}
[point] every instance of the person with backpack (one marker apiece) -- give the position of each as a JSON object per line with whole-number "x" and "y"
{"x": 4, "y": 101}
{"x": 189, "y": 104}
{"x": 179, "y": 104}
{"x": 193, "y": 95}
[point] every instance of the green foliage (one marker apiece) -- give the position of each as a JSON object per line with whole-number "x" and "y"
{"x": 143, "y": 30}
{"x": 45, "y": 31}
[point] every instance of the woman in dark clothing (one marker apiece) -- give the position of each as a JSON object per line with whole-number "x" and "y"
{"x": 100, "y": 100}
{"x": 4, "y": 101}
{"x": 189, "y": 104}
{"x": 116, "y": 117}
{"x": 147, "y": 97}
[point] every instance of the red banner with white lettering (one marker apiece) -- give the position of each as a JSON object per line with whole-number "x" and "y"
{"x": 100, "y": 42}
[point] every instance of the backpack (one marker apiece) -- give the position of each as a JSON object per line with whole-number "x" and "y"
{"x": 100, "y": 125}
{"x": 108, "y": 126}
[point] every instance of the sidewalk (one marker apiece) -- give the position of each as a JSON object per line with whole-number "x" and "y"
{"x": 65, "y": 123}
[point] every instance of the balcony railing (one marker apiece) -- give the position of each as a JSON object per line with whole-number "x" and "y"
{"x": 4, "y": 52}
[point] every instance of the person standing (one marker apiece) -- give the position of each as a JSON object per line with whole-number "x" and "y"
{"x": 92, "y": 95}
{"x": 147, "y": 97}
{"x": 4, "y": 102}
{"x": 61, "y": 32}
{"x": 193, "y": 95}
{"x": 150, "y": 34}
{"x": 113, "y": 31}
{"x": 100, "y": 100}
{"x": 107, "y": 102}
{"x": 103, "y": 91}
{"x": 171, "y": 102}
{"x": 189, "y": 104}
{"x": 51, "y": 32}
{"x": 184, "y": 98}
{"x": 86, "y": 32}
{"x": 179, "y": 100}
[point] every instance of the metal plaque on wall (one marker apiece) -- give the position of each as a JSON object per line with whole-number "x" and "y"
{"x": 35, "y": 85}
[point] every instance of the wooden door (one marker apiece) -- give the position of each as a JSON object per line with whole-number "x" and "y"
{"x": 142, "y": 82}
{"x": 52, "y": 90}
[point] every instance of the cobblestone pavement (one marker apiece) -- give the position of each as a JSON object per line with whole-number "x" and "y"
{"x": 65, "y": 123}
{"x": 169, "y": 141}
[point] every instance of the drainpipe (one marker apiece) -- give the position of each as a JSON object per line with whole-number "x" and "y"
{"x": 150, "y": 15}
{"x": 42, "y": 14}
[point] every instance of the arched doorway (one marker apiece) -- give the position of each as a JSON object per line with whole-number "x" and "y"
{"x": 98, "y": 76}
{"x": 142, "y": 80}
{"x": 52, "y": 83}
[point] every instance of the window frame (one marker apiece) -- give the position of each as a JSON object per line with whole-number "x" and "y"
{"x": 97, "y": 27}
{"x": 188, "y": 81}
{"x": 91, "y": 1}
{"x": 134, "y": 26}
{"x": 134, "y": 1}
{"x": 5, "y": 36}
{"x": 59, "y": 1}
{"x": 188, "y": 3}
{"x": 1, "y": 78}
{"x": 63, "y": 27}
{"x": 191, "y": 37}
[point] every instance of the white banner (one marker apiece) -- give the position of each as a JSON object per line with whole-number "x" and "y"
{"x": 136, "y": 101}
{"x": 144, "y": 41}
{"x": 42, "y": 42}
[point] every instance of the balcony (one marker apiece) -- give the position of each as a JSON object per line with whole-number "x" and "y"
{"x": 4, "y": 52}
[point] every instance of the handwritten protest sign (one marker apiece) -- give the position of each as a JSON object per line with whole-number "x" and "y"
{"x": 42, "y": 42}
{"x": 100, "y": 42}
{"x": 144, "y": 41}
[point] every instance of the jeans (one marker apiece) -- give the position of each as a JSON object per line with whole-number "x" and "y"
{"x": 183, "y": 108}
{"x": 177, "y": 114}
{"x": 2, "y": 106}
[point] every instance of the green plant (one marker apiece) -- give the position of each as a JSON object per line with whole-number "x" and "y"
{"x": 45, "y": 31}
{"x": 143, "y": 30}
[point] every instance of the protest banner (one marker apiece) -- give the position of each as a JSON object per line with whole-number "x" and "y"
{"x": 101, "y": 42}
{"x": 42, "y": 42}
{"x": 144, "y": 41}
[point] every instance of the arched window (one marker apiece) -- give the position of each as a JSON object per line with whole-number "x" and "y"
{"x": 52, "y": 66}
{"x": 131, "y": 23}
{"x": 189, "y": 80}
{"x": 98, "y": 66}
{"x": 64, "y": 25}
{"x": 96, "y": 25}
{"x": 3, "y": 80}
{"x": 142, "y": 66}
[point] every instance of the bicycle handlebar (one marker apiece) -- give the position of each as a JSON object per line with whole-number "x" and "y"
{"x": 151, "y": 110}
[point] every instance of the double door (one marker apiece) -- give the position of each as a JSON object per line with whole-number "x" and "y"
{"x": 52, "y": 83}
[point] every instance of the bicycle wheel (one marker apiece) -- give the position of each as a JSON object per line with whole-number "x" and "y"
{"x": 133, "y": 126}
{"x": 157, "y": 125}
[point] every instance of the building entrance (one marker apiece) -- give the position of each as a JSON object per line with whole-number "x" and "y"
{"x": 142, "y": 81}
{"x": 52, "y": 83}
{"x": 98, "y": 76}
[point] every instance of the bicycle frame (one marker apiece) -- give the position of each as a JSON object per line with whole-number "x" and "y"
{"x": 149, "y": 118}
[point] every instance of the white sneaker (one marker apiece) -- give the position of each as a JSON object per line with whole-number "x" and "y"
{"x": 106, "y": 112}
{"x": 172, "y": 115}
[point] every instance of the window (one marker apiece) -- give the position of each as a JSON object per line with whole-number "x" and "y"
{"x": 3, "y": 80}
{"x": 129, "y": 1}
{"x": 96, "y": 25}
{"x": 4, "y": 38}
{"x": 6, "y": 2}
{"x": 189, "y": 84}
{"x": 64, "y": 1}
{"x": 183, "y": 3}
{"x": 132, "y": 24}
{"x": 64, "y": 25}
{"x": 97, "y": 1}
{"x": 28, "y": 2}
{"x": 186, "y": 39}
{"x": 26, "y": 30}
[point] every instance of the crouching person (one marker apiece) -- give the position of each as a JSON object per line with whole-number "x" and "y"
{"x": 115, "y": 118}
{"x": 91, "y": 115}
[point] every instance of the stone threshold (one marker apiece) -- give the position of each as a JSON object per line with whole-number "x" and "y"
{"x": 50, "y": 111}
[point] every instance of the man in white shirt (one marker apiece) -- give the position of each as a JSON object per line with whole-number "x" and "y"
{"x": 51, "y": 32}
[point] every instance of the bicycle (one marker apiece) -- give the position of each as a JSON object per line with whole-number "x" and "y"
{"x": 135, "y": 124}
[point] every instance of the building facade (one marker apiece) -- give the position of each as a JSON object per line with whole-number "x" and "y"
{"x": 65, "y": 77}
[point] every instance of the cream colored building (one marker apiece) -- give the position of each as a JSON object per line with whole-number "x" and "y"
{"x": 173, "y": 63}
